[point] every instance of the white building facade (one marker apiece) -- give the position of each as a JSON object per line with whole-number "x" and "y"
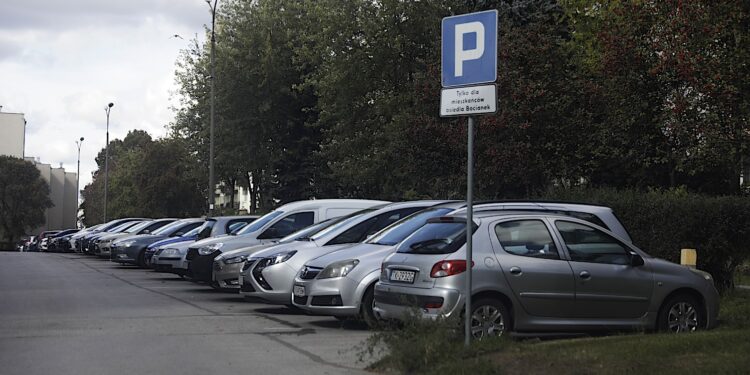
{"x": 64, "y": 212}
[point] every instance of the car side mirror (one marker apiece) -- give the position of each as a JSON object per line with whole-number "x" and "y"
{"x": 636, "y": 260}
{"x": 146, "y": 231}
{"x": 178, "y": 234}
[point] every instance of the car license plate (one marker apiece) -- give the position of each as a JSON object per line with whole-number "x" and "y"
{"x": 403, "y": 276}
{"x": 299, "y": 290}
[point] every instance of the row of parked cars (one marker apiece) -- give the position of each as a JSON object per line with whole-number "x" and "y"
{"x": 537, "y": 266}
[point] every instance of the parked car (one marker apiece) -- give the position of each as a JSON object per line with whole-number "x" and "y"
{"x": 541, "y": 272}
{"x": 171, "y": 258}
{"x": 132, "y": 250}
{"x": 93, "y": 238}
{"x": 82, "y": 243}
{"x": 212, "y": 227}
{"x": 349, "y": 275}
{"x": 75, "y": 240}
{"x": 227, "y": 265}
{"x": 59, "y": 242}
{"x": 40, "y": 243}
{"x": 271, "y": 273}
{"x": 102, "y": 244}
{"x": 271, "y": 227}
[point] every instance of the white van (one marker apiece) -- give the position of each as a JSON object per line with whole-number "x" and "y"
{"x": 270, "y": 227}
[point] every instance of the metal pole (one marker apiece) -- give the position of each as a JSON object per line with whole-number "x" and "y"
{"x": 106, "y": 163}
{"x": 469, "y": 224}
{"x": 78, "y": 179}
{"x": 211, "y": 184}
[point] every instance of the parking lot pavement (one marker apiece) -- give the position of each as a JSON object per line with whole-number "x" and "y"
{"x": 72, "y": 314}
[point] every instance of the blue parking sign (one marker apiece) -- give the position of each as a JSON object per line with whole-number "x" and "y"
{"x": 469, "y": 46}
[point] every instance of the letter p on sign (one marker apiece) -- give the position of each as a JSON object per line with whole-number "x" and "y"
{"x": 469, "y": 54}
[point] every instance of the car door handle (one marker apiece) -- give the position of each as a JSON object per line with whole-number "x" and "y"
{"x": 515, "y": 270}
{"x": 585, "y": 275}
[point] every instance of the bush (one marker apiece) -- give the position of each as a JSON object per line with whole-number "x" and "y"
{"x": 418, "y": 345}
{"x": 663, "y": 222}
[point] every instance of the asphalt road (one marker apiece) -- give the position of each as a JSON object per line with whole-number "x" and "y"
{"x": 72, "y": 314}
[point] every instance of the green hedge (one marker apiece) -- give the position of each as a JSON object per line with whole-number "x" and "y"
{"x": 663, "y": 222}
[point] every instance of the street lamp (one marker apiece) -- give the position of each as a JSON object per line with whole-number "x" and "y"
{"x": 106, "y": 162}
{"x": 211, "y": 185}
{"x": 78, "y": 179}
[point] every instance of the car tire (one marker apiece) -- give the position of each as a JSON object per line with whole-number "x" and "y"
{"x": 366, "y": 312}
{"x": 681, "y": 313}
{"x": 489, "y": 318}
{"x": 141, "y": 260}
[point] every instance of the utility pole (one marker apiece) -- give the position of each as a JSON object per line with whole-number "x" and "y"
{"x": 78, "y": 179}
{"x": 211, "y": 180}
{"x": 106, "y": 162}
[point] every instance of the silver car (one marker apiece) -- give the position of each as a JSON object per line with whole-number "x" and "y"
{"x": 270, "y": 278}
{"x": 227, "y": 265}
{"x": 171, "y": 258}
{"x": 541, "y": 272}
{"x": 349, "y": 275}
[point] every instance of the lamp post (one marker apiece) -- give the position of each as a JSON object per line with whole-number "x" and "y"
{"x": 78, "y": 179}
{"x": 211, "y": 184}
{"x": 106, "y": 162}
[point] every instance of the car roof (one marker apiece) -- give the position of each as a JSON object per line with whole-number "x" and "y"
{"x": 316, "y": 203}
{"x": 233, "y": 217}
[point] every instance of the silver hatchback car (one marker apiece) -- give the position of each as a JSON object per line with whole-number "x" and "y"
{"x": 537, "y": 272}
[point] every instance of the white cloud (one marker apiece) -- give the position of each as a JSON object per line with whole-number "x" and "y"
{"x": 61, "y": 62}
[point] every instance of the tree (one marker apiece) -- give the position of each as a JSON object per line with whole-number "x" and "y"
{"x": 24, "y": 197}
{"x": 672, "y": 79}
{"x": 147, "y": 178}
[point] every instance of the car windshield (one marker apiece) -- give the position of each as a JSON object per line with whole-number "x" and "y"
{"x": 193, "y": 232}
{"x": 122, "y": 227}
{"x": 435, "y": 238}
{"x": 399, "y": 230}
{"x": 305, "y": 233}
{"x": 260, "y": 223}
{"x": 169, "y": 228}
{"x": 236, "y": 227}
{"x": 342, "y": 222}
{"x": 209, "y": 223}
{"x": 137, "y": 227}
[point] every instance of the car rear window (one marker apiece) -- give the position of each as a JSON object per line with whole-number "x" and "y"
{"x": 435, "y": 238}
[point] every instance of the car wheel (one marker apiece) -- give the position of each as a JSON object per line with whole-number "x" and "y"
{"x": 141, "y": 261}
{"x": 680, "y": 314}
{"x": 489, "y": 318}
{"x": 366, "y": 312}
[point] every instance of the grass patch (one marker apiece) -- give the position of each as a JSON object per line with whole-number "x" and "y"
{"x": 425, "y": 347}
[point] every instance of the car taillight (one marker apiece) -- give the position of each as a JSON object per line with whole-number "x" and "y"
{"x": 445, "y": 268}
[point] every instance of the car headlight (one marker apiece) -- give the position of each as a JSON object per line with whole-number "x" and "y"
{"x": 707, "y": 276}
{"x": 126, "y": 243}
{"x": 280, "y": 257}
{"x": 237, "y": 259}
{"x": 338, "y": 269}
{"x": 206, "y": 250}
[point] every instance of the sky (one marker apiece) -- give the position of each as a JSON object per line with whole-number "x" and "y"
{"x": 62, "y": 62}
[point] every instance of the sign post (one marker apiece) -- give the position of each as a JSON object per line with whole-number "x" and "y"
{"x": 469, "y": 58}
